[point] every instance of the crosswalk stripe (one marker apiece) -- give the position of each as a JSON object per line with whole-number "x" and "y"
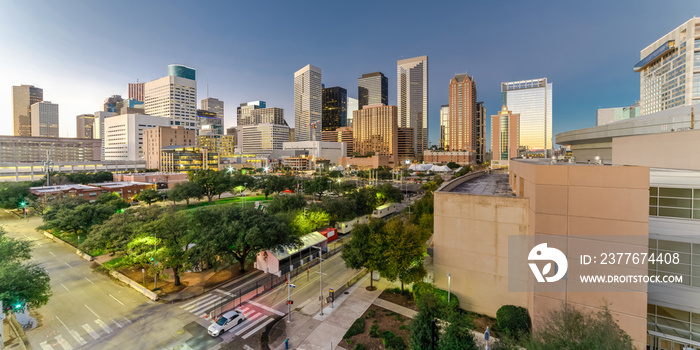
{"x": 78, "y": 337}
{"x": 267, "y": 308}
{"x": 64, "y": 343}
{"x": 104, "y": 326}
{"x": 257, "y": 328}
{"x": 195, "y": 301}
{"x": 205, "y": 306}
{"x": 226, "y": 293}
{"x": 253, "y": 321}
{"x": 117, "y": 323}
{"x": 45, "y": 345}
{"x": 199, "y": 302}
{"x": 91, "y": 331}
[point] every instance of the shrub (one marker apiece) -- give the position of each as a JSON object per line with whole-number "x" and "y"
{"x": 357, "y": 327}
{"x": 513, "y": 320}
{"x": 374, "y": 331}
{"x": 421, "y": 288}
{"x": 394, "y": 343}
{"x": 359, "y": 346}
{"x": 370, "y": 313}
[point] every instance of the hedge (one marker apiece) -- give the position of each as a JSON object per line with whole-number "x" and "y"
{"x": 357, "y": 327}
{"x": 420, "y": 288}
{"x": 513, "y": 320}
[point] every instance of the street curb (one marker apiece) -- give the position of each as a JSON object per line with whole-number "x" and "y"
{"x": 133, "y": 284}
{"x": 17, "y": 328}
{"x": 265, "y": 335}
{"x": 80, "y": 253}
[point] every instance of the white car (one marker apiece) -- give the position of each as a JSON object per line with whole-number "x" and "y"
{"x": 225, "y": 322}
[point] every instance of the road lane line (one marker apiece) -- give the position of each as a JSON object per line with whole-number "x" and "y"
{"x": 117, "y": 323}
{"x": 89, "y": 280}
{"x": 127, "y": 320}
{"x": 226, "y": 293}
{"x": 104, "y": 326}
{"x": 91, "y": 331}
{"x": 52, "y": 254}
{"x": 267, "y": 308}
{"x": 93, "y": 312}
{"x": 45, "y": 345}
{"x": 75, "y": 334}
{"x": 63, "y": 343}
{"x": 26, "y": 236}
{"x": 191, "y": 305}
{"x": 68, "y": 265}
{"x": 257, "y": 328}
{"x": 205, "y": 306}
{"x": 253, "y": 321}
{"x": 117, "y": 301}
{"x": 62, "y": 285}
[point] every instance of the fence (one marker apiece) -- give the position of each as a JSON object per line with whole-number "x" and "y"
{"x": 252, "y": 292}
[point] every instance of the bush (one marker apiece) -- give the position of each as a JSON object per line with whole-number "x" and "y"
{"x": 398, "y": 291}
{"x": 371, "y": 313}
{"x": 421, "y": 288}
{"x": 359, "y": 346}
{"x": 357, "y": 327}
{"x": 392, "y": 342}
{"x": 513, "y": 320}
{"x": 374, "y": 331}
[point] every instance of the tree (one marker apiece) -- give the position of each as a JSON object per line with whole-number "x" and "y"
{"x": 363, "y": 249}
{"x": 113, "y": 199}
{"x": 232, "y": 233}
{"x": 424, "y": 327}
{"x": 211, "y": 182}
{"x": 452, "y": 165}
{"x": 344, "y": 188}
{"x": 286, "y": 203}
{"x": 114, "y": 234}
{"x": 307, "y": 221}
{"x": 335, "y": 174}
{"x": 173, "y": 236}
{"x": 457, "y": 334}
{"x": 21, "y": 284}
{"x": 570, "y": 328}
{"x": 338, "y": 209}
{"x": 184, "y": 191}
{"x": 269, "y": 184}
{"x": 403, "y": 245}
{"x": 365, "y": 200}
{"x": 317, "y": 186}
{"x": 148, "y": 196}
{"x": 14, "y": 193}
{"x": 388, "y": 193}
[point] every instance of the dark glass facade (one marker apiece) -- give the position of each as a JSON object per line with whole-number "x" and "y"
{"x": 335, "y": 109}
{"x": 372, "y": 88}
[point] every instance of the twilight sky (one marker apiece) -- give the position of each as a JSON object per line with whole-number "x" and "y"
{"x": 82, "y": 52}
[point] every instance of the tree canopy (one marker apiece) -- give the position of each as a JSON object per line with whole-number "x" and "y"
{"x": 21, "y": 283}
{"x": 286, "y": 203}
{"x": 14, "y": 193}
{"x": 403, "y": 246}
{"x": 318, "y": 186}
{"x": 148, "y": 196}
{"x": 184, "y": 191}
{"x": 364, "y": 250}
{"x": 211, "y": 182}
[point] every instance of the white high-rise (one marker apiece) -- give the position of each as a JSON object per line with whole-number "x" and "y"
{"x": 307, "y": 104}
{"x": 173, "y": 96}
{"x": 123, "y": 135}
{"x": 532, "y": 99}
{"x": 412, "y": 98}
{"x": 353, "y": 105}
{"x": 44, "y": 119}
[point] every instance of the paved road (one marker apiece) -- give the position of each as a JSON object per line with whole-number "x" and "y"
{"x": 90, "y": 311}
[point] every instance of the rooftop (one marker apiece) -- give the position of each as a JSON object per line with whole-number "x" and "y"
{"x": 488, "y": 185}
{"x": 60, "y": 188}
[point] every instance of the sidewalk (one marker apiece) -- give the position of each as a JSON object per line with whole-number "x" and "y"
{"x": 309, "y": 331}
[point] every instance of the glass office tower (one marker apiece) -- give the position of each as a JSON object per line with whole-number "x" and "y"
{"x": 532, "y": 100}
{"x": 335, "y": 108}
{"x": 412, "y": 99}
{"x": 372, "y": 88}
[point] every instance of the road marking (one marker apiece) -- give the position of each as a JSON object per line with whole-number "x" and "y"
{"x": 26, "y": 236}
{"x": 267, "y": 308}
{"x": 226, "y": 293}
{"x": 91, "y": 331}
{"x": 116, "y": 300}
{"x": 52, "y": 254}
{"x": 75, "y": 334}
{"x": 192, "y": 304}
{"x": 253, "y": 321}
{"x": 257, "y": 328}
{"x": 68, "y": 265}
{"x": 205, "y": 306}
{"x": 64, "y": 343}
{"x": 89, "y": 280}
{"x": 62, "y": 285}
{"x": 127, "y": 320}
{"x": 117, "y": 323}
{"x": 93, "y": 312}
{"x": 45, "y": 345}
{"x": 104, "y": 326}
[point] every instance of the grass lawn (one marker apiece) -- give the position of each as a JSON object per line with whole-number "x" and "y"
{"x": 249, "y": 201}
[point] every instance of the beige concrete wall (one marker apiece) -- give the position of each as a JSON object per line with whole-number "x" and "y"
{"x": 672, "y": 150}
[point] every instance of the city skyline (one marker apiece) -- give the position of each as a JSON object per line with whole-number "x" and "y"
{"x": 604, "y": 56}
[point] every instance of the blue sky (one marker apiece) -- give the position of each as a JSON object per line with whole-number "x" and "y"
{"x": 82, "y": 52}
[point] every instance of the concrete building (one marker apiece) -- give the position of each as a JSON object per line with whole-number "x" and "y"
{"x": 213, "y": 105}
{"x": 44, "y": 119}
{"x": 444, "y": 126}
{"x": 231, "y": 131}
{"x": 307, "y": 104}
{"x": 36, "y": 170}
{"x": 262, "y": 138}
{"x": 99, "y": 129}
{"x": 412, "y": 99}
{"x": 462, "y": 102}
{"x": 136, "y": 91}
{"x": 668, "y": 70}
{"x": 366, "y": 163}
{"x": 609, "y": 115}
{"x": 132, "y": 106}
{"x": 480, "y": 133}
{"x": 376, "y": 131}
{"x": 124, "y": 135}
{"x": 404, "y": 147}
{"x": 343, "y": 134}
{"x": 253, "y": 114}
{"x": 23, "y": 97}
{"x": 113, "y": 104}
{"x": 291, "y": 135}
{"x": 160, "y": 179}
{"x": 223, "y": 145}
{"x": 532, "y": 99}
{"x": 85, "y": 126}
{"x": 174, "y": 96}
{"x": 353, "y": 105}
{"x": 443, "y": 157}
{"x": 372, "y": 88}
{"x": 505, "y": 137}
{"x": 16, "y": 149}
{"x": 334, "y": 113}
{"x": 162, "y": 136}
{"x": 243, "y": 112}
{"x": 319, "y": 149}
{"x": 209, "y": 123}
{"x": 181, "y": 159}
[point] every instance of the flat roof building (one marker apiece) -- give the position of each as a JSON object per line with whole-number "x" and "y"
{"x": 45, "y": 119}
{"x": 343, "y": 134}
{"x": 372, "y": 88}
{"x": 505, "y": 137}
{"x": 19, "y": 149}
{"x": 85, "y": 126}
{"x": 412, "y": 99}
{"x": 124, "y": 135}
{"x": 375, "y": 131}
{"x": 180, "y": 159}
{"x": 262, "y": 138}
{"x": 23, "y": 97}
{"x": 156, "y": 138}
{"x": 173, "y": 96}
{"x": 307, "y": 104}
{"x": 335, "y": 110}
{"x": 532, "y": 100}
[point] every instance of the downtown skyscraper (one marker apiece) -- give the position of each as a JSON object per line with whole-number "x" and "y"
{"x": 532, "y": 100}
{"x": 174, "y": 96}
{"x": 307, "y": 104}
{"x": 335, "y": 108}
{"x": 462, "y": 114}
{"x": 412, "y": 99}
{"x": 23, "y": 97}
{"x": 372, "y": 88}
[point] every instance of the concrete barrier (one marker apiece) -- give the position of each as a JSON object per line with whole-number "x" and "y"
{"x": 80, "y": 253}
{"x": 133, "y": 284}
{"x": 450, "y": 185}
{"x": 340, "y": 290}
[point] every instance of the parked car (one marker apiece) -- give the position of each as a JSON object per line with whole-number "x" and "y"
{"x": 225, "y": 322}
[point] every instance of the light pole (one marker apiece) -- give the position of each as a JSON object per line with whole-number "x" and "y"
{"x": 449, "y": 279}
{"x": 24, "y": 208}
{"x": 245, "y": 184}
{"x": 320, "y": 271}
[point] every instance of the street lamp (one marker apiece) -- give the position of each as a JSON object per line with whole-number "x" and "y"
{"x": 230, "y": 169}
{"x": 24, "y": 208}
{"x": 449, "y": 279}
{"x": 320, "y": 272}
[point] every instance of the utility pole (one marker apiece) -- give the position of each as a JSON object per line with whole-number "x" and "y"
{"x": 320, "y": 271}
